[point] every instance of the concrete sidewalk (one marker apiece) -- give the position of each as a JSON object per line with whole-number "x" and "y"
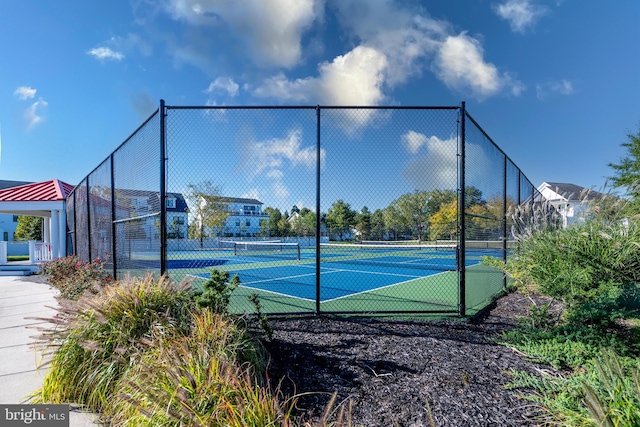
{"x": 23, "y": 297}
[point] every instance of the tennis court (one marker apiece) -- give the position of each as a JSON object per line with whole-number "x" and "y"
{"x": 388, "y": 278}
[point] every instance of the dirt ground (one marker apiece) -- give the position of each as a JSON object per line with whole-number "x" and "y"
{"x": 405, "y": 373}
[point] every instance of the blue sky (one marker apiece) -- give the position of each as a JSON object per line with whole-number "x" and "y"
{"x": 555, "y": 83}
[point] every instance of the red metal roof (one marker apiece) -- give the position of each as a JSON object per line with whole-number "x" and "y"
{"x": 46, "y": 191}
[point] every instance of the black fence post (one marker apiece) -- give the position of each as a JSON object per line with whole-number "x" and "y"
{"x": 114, "y": 240}
{"x": 163, "y": 192}
{"x": 75, "y": 225}
{"x": 461, "y": 240}
{"x": 317, "y": 210}
{"x": 88, "y": 221}
{"x": 504, "y": 220}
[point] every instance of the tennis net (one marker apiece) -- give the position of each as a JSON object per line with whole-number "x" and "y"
{"x": 422, "y": 257}
{"x": 266, "y": 250}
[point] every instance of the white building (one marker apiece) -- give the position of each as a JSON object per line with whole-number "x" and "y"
{"x": 9, "y": 222}
{"x": 243, "y": 216}
{"x": 146, "y": 205}
{"x": 571, "y": 201}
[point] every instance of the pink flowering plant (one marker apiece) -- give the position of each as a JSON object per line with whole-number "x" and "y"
{"x": 74, "y": 277}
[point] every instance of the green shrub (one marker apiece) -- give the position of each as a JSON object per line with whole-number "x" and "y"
{"x": 217, "y": 291}
{"x": 73, "y": 277}
{"x": 568, "y": 346}
{"x": 591, "y": 268}
{"x": 605, "y": 394}
{"x": 96, "y": 338}
{"x": 615, "y": 399}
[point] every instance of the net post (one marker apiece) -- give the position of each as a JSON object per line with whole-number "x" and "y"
{"x": 462, "y": 224}
{"x": 298, "y": 247}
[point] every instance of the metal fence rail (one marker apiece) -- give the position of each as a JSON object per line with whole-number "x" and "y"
{"x": 423, "y": 191}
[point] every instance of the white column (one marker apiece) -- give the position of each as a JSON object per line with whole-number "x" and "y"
{"x": 3, "y": 252}
{"x": 46, "y": 230}
{"x": 63, "y": 233}
{"x": 55, "y": 238}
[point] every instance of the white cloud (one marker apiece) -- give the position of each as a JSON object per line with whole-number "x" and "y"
{"x": 461, "y": 66}
{"x": 270, "y": 157}
{"x": 275, "y": 174}
{"x": 272, "y": 29}
{"x": 393, "y": 44}
{"x": 437, "y": 168}
{"x": 25, "y": 92}
{"x": 434, "y": 164}
{"x": 252, "y": 194}
{"x": 103, "y": 53}
{"x": 406, "y": 38}
{"x": 280, "y": 190}
{"x": 224, "y": 85}
{"x": 132, "y": 42}
{"x": 560, "y": 87}
{"x": 521, "y": 14}
{"x": 272, "y": 154}
{"x": 353, "y": 79}
{"x": 33, "y": 114}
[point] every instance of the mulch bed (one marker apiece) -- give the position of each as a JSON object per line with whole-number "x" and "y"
{"x": 405, "y": 373}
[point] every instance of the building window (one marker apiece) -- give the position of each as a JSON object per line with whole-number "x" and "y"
{"x": 171, "y": 203}
{"x": 5, "y": 236}
{"x": 15, "y": 218}
{"x": 248, "y": 223}
{"x": 238, "y": 223}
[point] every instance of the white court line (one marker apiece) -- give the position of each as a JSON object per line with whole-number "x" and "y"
{"x": 333, "y": 270}
{"x": 338, "y": 270}
{"x": 382, "y": 287}
{"x": 266, "y": 290}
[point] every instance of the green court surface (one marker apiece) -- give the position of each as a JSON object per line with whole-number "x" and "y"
{"x": 349, "y": 284}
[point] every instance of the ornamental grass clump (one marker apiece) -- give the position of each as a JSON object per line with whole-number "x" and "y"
{"x": 211, "y": 377}
{"x": 73, "y": 277}
{"x": 94, "y": 340}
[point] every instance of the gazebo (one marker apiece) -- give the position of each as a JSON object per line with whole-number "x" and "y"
{"x": 41, "y": 199}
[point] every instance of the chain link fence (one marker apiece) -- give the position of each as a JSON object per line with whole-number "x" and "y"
{"x": 316, "y": 209}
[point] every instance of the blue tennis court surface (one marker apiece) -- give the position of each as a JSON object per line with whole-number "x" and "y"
{"x": 338, "y": 280}
{"x": 344, "y": 270}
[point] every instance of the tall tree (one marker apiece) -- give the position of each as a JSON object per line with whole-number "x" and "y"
{"x": 377, "y": 224}
{"x": 363, "y": 223}
{"x": 472, "y": 197}
{"x": 415, "y": 211}
{"x": 304, "y": 224}
{"x": 28, "y": 228}
{"x": 340, "y": 218}
{"x": 209, "y": 209}
{"x": 284, "y": 227}
{"x": 269, "y": 228}
{"x": 437, "y": 198}
{"x": 627, "y": 172}
{"x": 392, "y": 221}
{"x": 309, "y": 223}
{"x": 444, "y": 223}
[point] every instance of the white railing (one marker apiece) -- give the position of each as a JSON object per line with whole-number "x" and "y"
{"x": 39, "y": 252}
{"x": 3, "y": 253}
